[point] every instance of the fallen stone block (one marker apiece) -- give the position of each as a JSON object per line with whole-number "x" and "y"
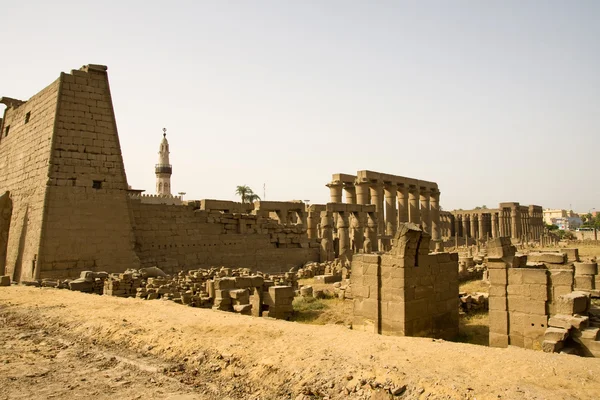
{"x": 573, "y": 303}
{"x": 556, "y": 334}
{"x": 549, "y": 346}
{"x": 306, "y": 291}
{"x": 4, "y": 280}
{"x": 327, "y": 278}
{"x": 586, "y": 268}
{"x": 244, "y": 309}
{"x": 552, "y": 258}
{"x": 568, "y": 321}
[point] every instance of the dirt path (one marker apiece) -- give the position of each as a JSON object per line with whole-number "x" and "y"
{"x": 35, "y": 364}
{"x": 220, "y": 355}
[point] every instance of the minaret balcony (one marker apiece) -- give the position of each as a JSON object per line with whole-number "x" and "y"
{"x": 163, "y": 169}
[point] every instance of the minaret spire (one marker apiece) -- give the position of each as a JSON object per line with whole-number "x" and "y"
{"x": 163, "y": 169}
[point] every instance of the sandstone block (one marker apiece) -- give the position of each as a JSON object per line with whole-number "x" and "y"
{"x": 498, "y": 322}
{"x": 561, "y": 277}
{"x": 537, "y": 276}
{"x": 239, "y": 293}
{"x": 585, "y": 268}
{"x": 572, "y": 254}
{"x": 245, "y": 309}
{"x": 4, "y": 280}
{"x": 498, "y": 276}
{"x": 550, "y": 346}
{"x": 327, "y": 278}
{"x": 584, "y": 282}
{"x": 556, "y": 334}
{"x": 498, "y": 340}
{"x": 572, "y": 303}
{"x": 568, "y": 321}
{"x": 497, "y": 303}
{"x": 224, "y": 283}
{"x": 552, "y": 258}
{"x": 242, "y": 282}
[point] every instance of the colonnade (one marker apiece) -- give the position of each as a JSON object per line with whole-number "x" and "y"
{"x": 396, "y": 199}
{"x": 509, "y": 220}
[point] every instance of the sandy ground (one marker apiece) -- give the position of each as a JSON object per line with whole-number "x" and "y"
{"x": 62, "y": 344}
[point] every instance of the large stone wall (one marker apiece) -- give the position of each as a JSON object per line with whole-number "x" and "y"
{"x": 25, "y": 143}
{"x": 88, "y": 220}
{"x": 179, "y": 237}
{"x": 406, "y": 292}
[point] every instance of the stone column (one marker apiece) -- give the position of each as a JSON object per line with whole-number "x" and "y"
{"x": 465, "y": 223}
{"x": 335, "y": 191}
{"x": 413, "y": 205}
{"x": 344, "y": 237}
{"x": 436, "y": 235}
{"x": 480, "y": 227}
{"x": 390, "y": 209}
{"x": 371, "y": 233}
{"x": 356, "y": 226}
{"x": 472, "y": 231}
{"x": 425, "y": 215}
{"x": 311, "y": 225}
{"x": 514, "y": 225}
{"x": 457, "y": 221}
{"x": 362, "y": 192}
{"x": 402, "y": 203}
{"x": 377, "y": 199}
{"x": 494, "y": 225}
{"x": 326, "y": 237}
{"x": 350, "y": 191}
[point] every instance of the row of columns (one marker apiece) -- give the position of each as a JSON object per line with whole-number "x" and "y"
{"x": 394, "y": 203}
{"x": 356, "y": 232}
{"x": 506, "y": 222}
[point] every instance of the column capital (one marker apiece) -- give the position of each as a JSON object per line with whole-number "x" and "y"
{"x": 334, "y": 184}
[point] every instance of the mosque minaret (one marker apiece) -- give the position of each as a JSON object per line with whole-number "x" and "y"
{"x": 163, "y": 169}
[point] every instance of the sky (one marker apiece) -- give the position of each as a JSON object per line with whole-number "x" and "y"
{"x": 494, "y": 100}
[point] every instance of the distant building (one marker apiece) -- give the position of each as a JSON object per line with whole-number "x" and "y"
{"x": 549, "y": 215}
{"x": 567, "y": 223}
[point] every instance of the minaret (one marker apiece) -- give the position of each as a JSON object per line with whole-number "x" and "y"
{"x": 163, "y": 169}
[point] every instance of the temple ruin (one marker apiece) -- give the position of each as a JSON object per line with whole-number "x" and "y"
{"x": 405, "y": 200}
{"x": 512, "y": 220}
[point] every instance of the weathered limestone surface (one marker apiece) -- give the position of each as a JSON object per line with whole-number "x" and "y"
{"x": 406, "y": 292}
{"x": 5, "y": 214}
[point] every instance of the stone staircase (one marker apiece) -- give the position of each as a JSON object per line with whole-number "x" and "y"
{"x": 576, "y": 330}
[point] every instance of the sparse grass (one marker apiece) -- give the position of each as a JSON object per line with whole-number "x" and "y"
{"x": 309, "y": 310}
{"x": 474, "y": 286}
{"x": 474, "y": 329}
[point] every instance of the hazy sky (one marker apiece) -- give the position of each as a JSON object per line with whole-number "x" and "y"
{"x": 493, "y": 100}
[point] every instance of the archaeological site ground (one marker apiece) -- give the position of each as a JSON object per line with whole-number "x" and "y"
{"x": 107, "y": 292}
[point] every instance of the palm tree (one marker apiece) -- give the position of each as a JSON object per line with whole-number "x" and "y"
{"x": 252, "y": 198}
{"x": 247, "y": 195}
